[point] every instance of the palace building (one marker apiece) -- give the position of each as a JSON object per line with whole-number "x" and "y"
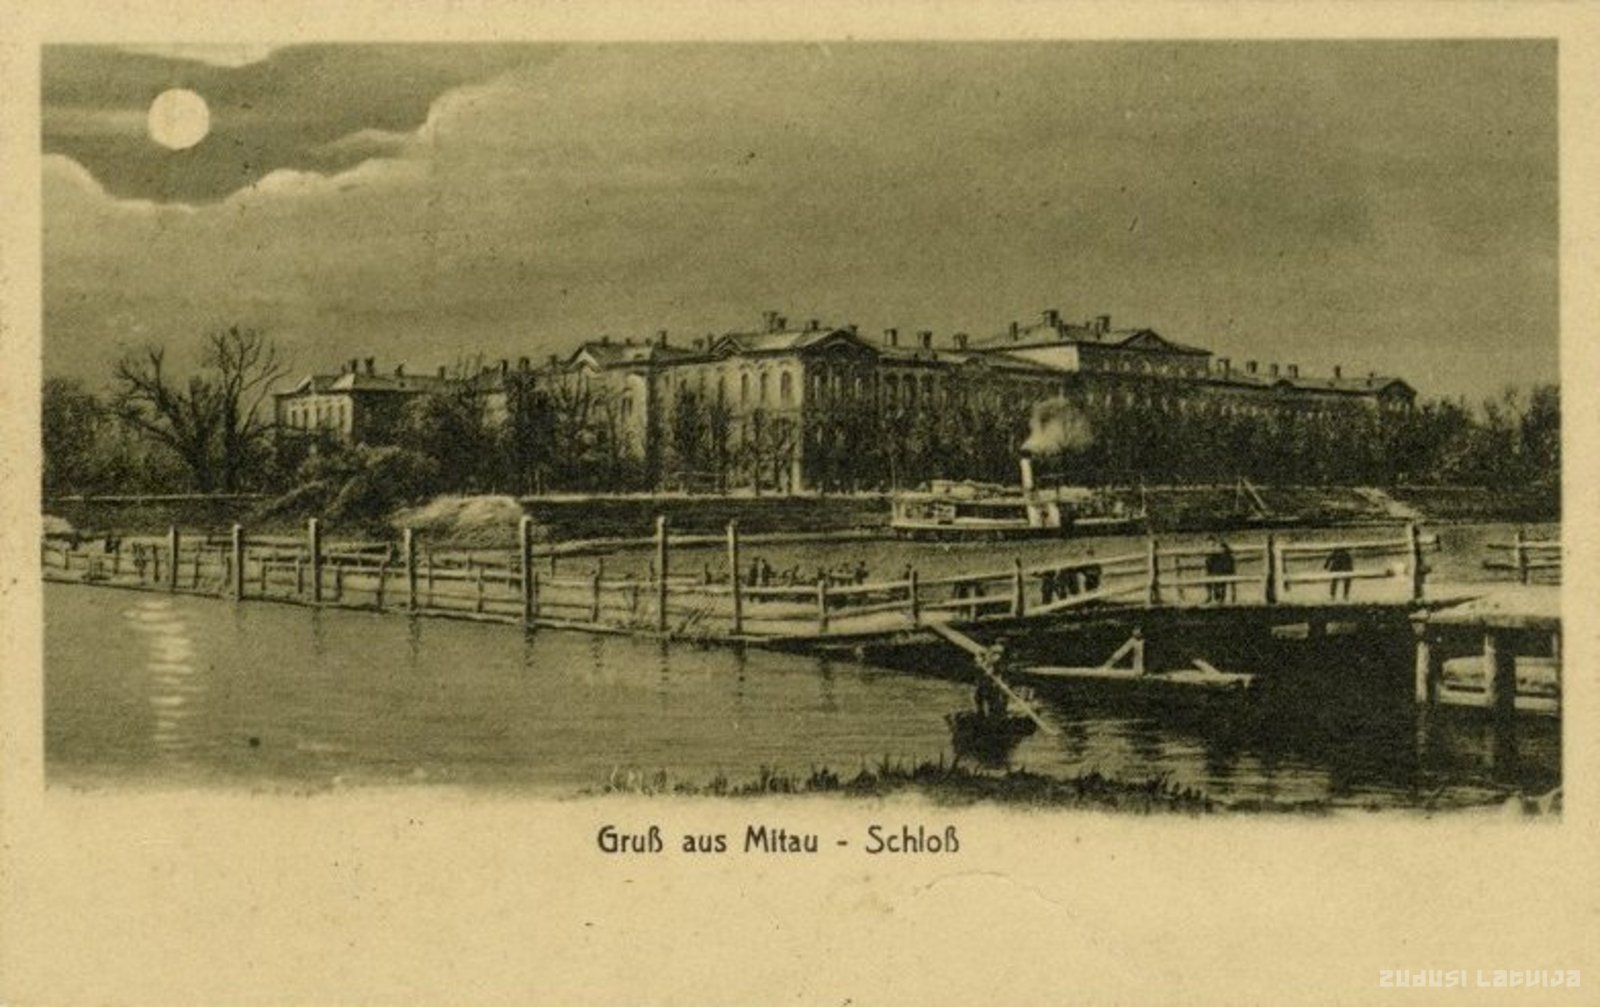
{"x": 786, "y": 408}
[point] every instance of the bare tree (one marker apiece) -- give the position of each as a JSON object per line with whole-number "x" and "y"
{"x": 212, "y": 421}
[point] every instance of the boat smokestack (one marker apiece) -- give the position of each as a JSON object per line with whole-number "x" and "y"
{"x": 1027, "y": 473}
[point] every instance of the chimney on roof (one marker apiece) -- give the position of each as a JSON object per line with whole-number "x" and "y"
{"x": 441, "y": 372}
{"x": 371, "y": 363}
{"x": 699, "y": 342}
{"x": 1250, "y": 366}
{"x": 891, "y": 337}
{"x": 661, "y": 337}
{"x": 814, "y": 325}
{"x": 1338, "y": 371}
{"x": 355, "y": 366}
{"x": 1016, "y": 330}
{"x": 523, "y": 363}
{"x": 505, "y": 367}
{"x": 1294, "y": 371}
{"x": 1052, "y": 317}
{"x": 1372, "y": 377}
{"x": 1274, "y": 369}
{"x": 552, "y": 360}
{"x": 399, "y": 370}
{"x": 783, "y": 323}
{"x": 853, "y": 328}
{"x": 605, "y": 340}
{"x": 1102, "y": 324}
{"x": 960, "y": 340}
{"x": 1225, "y": 365}
{"x": 769, "y": 321}
{"x": 925, "y": 338}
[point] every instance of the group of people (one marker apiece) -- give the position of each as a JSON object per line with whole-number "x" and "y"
{"x": 1070, "y": 580}
{"x": 761, "y": 574}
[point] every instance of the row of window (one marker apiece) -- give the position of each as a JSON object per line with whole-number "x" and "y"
{"x": 322, "y": 414}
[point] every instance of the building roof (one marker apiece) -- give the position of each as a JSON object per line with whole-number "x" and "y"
{"x": 607, "y": 352}
{"x": 1048, "y": 333}
{"x": 360, "y": 381}
{"x": 782, "y": 340}
{"x": 1369, "y": 385}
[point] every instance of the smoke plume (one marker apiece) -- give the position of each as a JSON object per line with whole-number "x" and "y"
{"x": 1056, "y": 426}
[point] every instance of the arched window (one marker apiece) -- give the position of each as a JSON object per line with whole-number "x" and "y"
{"x": 785, "y": 388}
{"x": 744, "y": 389}
{"x": 722, "y": 388}
{"x": 763, "y": 387}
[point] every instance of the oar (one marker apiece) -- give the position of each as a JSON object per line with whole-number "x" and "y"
{"x": 982, "y": 656}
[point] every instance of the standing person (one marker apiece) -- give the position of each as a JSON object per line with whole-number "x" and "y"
{"x": 861, "y": 571}
{"x": 1227, "y": 566}
{"x": 1339, "y": 561}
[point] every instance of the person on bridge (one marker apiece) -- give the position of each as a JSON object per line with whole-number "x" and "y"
{"x": 1339, "y": 561}
{"x": 1221, "y": 563}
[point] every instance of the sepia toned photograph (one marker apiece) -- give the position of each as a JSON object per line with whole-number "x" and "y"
{"x": 820, "y": 504}
{"x": 1167, "y": 427}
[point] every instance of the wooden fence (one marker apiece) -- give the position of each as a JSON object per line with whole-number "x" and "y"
{"x": 1530, "y": 559}
{"x": 412, "y": 577}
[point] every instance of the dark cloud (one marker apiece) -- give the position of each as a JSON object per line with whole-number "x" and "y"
{"x": 320, "y": 108}
{"x": 1386, "y": 206}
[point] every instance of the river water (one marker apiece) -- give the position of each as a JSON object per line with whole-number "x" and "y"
{"x": 143, "y": 688}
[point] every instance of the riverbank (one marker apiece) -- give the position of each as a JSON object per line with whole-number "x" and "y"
{"x": 571, "y": 519}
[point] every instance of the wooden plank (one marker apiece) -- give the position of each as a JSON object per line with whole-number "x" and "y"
{"x": 983, "y": 657}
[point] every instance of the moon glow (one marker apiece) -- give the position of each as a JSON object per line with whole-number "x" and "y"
{"x": 179, "y": 119}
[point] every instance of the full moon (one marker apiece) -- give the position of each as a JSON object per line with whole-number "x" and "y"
{"x": 179, "y": 119}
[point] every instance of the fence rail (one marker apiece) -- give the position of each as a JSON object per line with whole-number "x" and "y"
{"x": 413, "y": 577}
{"x": 1529, "y": 558}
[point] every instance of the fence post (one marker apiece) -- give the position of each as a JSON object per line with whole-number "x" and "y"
{"x": 733, "y": 576}
{"x": 911, "y": 597}
{"x": 237, "y": 560}
{"x": 477, "y": 604}
{"x": 661, "y": 573}
{"x": 314, "y": 543}
{"x": 1522, "y": 557}
{"x": 1499, "y": 675}
{"x": 172, "y": 555}
{"x": 594, "y": 592}
{"x": 1152, "y": 572}
{"x": 408, "y": 552}
{"x": 530, "y": 580}
{"x": 1419, "y": 572}
{"x": 338, "y": 582}
{"x": 1019, "y": 588}
{"x": 822, "y": 603}
{"x": 1430, "y": 667}
{"x": 1269, "y": 577}
{"x": 383, "y": 579}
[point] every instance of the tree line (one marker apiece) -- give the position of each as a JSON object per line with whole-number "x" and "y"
{"x": 211, "y": 431}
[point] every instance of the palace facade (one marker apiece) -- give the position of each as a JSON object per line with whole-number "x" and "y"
{"x": 789, "y": 408}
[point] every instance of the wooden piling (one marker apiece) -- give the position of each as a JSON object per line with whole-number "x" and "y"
{"x": 1019, "y": 588}
{"x": 408, "y": 556}
{"x": 236, "y": 561}
{"x": 1520, "y": 544}
{"x": 1499, "y": 674}
{"x": 1419, "y": 571}
{"x": 733, "y": 576}
{"x": 299, "y": 577}
{"x": 194, "y": 574}
{"x": 1429, "y": 667}
{"x": 913, "y": 601}
{"x": 314, "y": 545}
{"x": 1269, "y": 576}
{"x": 1152, "y": 572}
{"x": 661, "y": 573}
{"x": 383, "y": 583}
{"x": 263, "y": 578}
{"x": 477, "y": 603}
{"x": 1136, "y": 651}
{"x": 822, "y": 604}
{"x": 172, "y": 556}
{"x": 594, "y": 593}
{"x": 529, "y": 580}
{"x": 338, "y": 582}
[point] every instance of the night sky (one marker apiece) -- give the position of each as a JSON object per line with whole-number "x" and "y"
{"x": 1390, "y": 206}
